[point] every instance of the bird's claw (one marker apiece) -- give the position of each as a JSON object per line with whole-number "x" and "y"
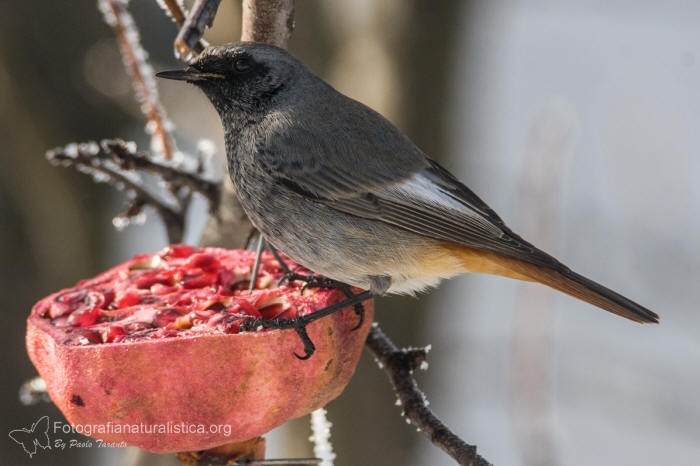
{"x": 309, "y": 347}
{"x": 310, "y": 281}
{"x": 299, "y": 324}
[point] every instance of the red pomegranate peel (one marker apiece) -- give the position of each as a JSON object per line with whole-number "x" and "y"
{"x": 156, "y": 340}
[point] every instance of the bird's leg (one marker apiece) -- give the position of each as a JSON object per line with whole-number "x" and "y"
{"x": 315, "y": 281}
{"x": 310, "y": 281}
{"x": 299, "y": 323}
{"x": 256, "y": 265}
{"x": 279, "y": 259}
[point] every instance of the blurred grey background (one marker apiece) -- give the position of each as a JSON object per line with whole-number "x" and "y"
{"x": 576, "y": 121}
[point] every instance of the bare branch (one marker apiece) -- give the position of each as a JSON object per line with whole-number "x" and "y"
{"x": 174, "y": 9}
{"x": 268, "y": 21}
{"x": 399, "y": 364}
{"x": 188, "y": 41}
{"x": 128, "y": 160}
{"x": 33, "y": 391}
{"x": 84, "y": 158}
{"x": 142, "y": 75}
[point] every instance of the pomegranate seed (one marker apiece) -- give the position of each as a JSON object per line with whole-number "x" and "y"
{"x": 272, "y": 311}
{"x": 108, "y": 296}
{"x": 265, "y": 282}
{"x": 216, "y": 306}
{"x": 240, "y": 286}
{"x": 203, "y": 261}
{"x": 202, "y": 316}
{"x": 165, "y": 316}
{"x": 84, "y": 317}
{"x": 58, "y": 309}
{"x": 72, "y": 297}
{"x": 223, "y": 291}
{"x": 134, "y": 328}
{"x": 178, "y": 251}
{"x": 232, "y": 323}
{"x": 113, "y": 334}
{"x": 200, "y": 281}
{"x": 96, "y": 299}
{"x": 164, "y": 333}
{"x": 215, "y": 319}
{"x": 130, "y": 298}
{"x": 89, "y": 337}
{"x": 184, "y": 322}
{"x": 226, "y": 278}
{"x": 159, "y": 289}
{"x": 147, "y": 279}
{"x": 247, "y": 308}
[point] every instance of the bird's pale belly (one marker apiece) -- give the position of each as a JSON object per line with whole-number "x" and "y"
{"x": 345, "y": 249}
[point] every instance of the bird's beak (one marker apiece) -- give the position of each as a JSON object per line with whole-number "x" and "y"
{"x": 190, "y": 74}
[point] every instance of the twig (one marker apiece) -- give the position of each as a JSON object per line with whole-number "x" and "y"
{"x": 84, "y": 157}
{"x": 142, "y": 75}
{"x": 321, "y": 437}
{"x": 399, "y": 364}
{"x": 33, "y": 391}
{"x": 192, "y": 30}
{"x": 176, "y": 11}
{"x": 128, "y": 160}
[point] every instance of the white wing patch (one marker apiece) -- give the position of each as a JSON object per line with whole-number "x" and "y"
{"x": 420, "y": 189}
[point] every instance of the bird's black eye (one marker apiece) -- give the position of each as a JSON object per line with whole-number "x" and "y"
{"x": 242, "y": 64}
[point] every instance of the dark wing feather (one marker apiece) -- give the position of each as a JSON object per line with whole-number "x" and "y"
{"x": 366, "y": 167}
{"x": 435, "y": 204}
{"x": 327, "y": 154}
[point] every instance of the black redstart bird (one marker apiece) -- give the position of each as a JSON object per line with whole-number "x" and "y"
{"x": 340, "y": 190}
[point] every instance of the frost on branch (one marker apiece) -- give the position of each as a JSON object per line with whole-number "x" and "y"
{"x": 142, "y": 76}
{"x": 399, "y": 364}
{"x": 321, "y": 437}
{"x": 33, "y": 391}
{"x": 120, "y": 164}
{"x": 175, "y": 10}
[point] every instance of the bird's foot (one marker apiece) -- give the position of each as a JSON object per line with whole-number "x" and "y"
{"x": 299, "y": 323}
{"x": 319, "y": 281}
{"x": 310, "y": 281}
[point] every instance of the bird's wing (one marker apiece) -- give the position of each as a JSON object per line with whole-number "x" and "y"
{"x": 329, "y": 154}
{"x": 367, "y": 168}
{"x": 373, "y": 171}
{"x": 434, "y": 203}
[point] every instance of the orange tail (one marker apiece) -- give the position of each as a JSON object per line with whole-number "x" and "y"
{"x": 563, "y": 280}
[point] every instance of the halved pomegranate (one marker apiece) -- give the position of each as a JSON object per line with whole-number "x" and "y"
{"x": 149, "y": 352}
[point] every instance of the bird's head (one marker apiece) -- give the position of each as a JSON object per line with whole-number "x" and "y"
{"x": 245, "y": 76}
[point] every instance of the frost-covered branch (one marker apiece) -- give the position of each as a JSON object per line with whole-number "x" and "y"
{"x": 399, "y": 365}
{"x": 135, "y": 60}
{"x": 33, "y": 391}
{"x": 86, "y": 158}
{"x": 321, "y": 437}
{"x": 176, "y": 11}
{"x": 189, "y": 39}
{"x": 119, "y": 164}
{"x": 127, "y": 159}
